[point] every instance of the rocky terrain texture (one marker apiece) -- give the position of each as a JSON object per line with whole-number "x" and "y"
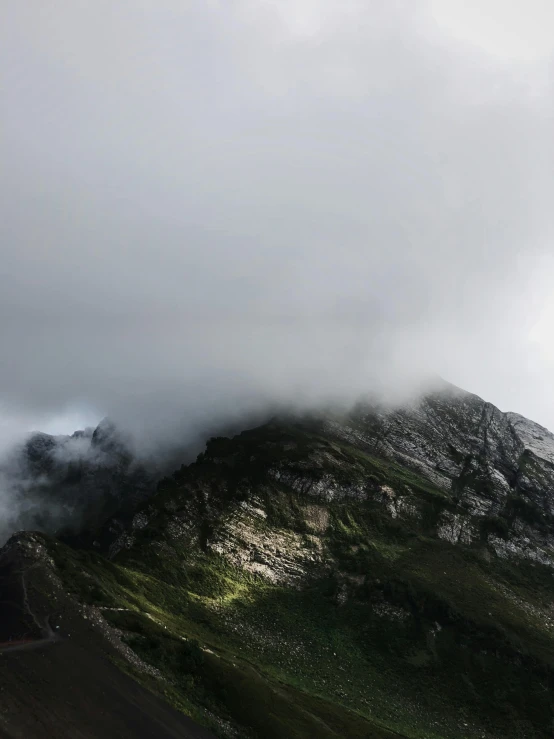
{"x": 382, "y": 573}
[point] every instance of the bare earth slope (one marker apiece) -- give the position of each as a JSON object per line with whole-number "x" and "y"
{"x": 66, "y": 687}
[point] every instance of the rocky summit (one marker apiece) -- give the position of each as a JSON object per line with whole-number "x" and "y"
{"x": 377, "y": 573}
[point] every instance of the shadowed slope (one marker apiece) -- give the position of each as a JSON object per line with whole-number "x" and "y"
{"x": 68, "y": 686}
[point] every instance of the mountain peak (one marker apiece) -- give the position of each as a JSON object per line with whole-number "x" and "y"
{"x": 110, "y": 439}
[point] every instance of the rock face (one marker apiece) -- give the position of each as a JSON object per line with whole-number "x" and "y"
{"x": 494, "y": 471}
{"x": 497, "y": 468}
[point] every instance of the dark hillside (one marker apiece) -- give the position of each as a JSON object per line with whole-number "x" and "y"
{"x": 69, "y": 687}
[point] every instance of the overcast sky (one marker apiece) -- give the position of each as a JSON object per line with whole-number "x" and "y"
{"x": 209, "y": 205}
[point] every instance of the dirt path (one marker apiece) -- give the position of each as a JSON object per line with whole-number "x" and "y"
{"x": 27, "y": 645}
{"x": 49, "y": 636}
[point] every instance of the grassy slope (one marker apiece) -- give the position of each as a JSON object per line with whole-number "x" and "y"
{"x": 432, "y": 640}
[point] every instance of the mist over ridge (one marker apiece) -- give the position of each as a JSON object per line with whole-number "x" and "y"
{"x": 259, "y": 204}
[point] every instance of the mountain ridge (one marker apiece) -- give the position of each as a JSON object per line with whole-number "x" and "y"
{"x": 377, "y": 573}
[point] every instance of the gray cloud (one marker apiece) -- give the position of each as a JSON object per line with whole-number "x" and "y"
{"x": 211, "y": 206}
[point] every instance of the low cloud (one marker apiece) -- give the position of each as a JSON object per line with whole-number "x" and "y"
{"x": 211, "y": 209}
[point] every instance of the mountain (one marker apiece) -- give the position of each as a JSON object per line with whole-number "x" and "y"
{"x": 381, "y": 573}
{"x": 70, "y": 484}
